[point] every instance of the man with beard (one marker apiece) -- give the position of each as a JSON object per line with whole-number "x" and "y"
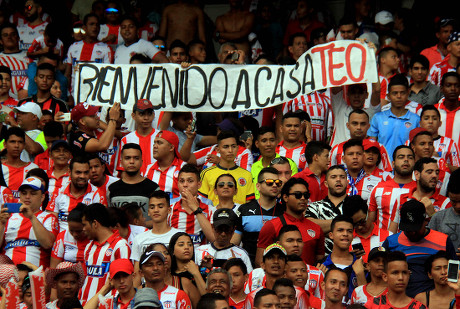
{"x": 322, "y": 212}
{"x": 426, "y": 172}
{"x": 67, "y": 278}
{"x": 381, "y": 202}
{"x": 152, "y": 266}
{"x": 78, "y": 190}
{"x": 415, "y": 240}
{"x": 34, "y": 27}
{"x": 132, "y": 187}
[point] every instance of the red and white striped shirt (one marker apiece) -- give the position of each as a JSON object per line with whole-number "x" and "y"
{"x": 439, "y": 201}
{"x": 98, "y": 258}
{"x": 447, "y": 150}
{"x": 173, "y": 298}
{"x": 302, "y": 298}
{"x": 450, "y": 126}
{"x": 56, "y": 184}
{"x": 167, "y": 179}
{"x": 110, "y": 155}
{"x": 318, "y": 106}
{"x": 315, "y": 277}
{"x": 7, "y": 196}
{"x": 15, "y": 175}
{"x": 439, "y": 69}
{"x": 336, "y": 155}
{"x": 374, "y": 240}
{"x": 28, "y": 33}
{"x": 384, "y": 86}
{"x": 146, "y": 143}
{"x": 21, "y": 243}
{"x": 296, "y": 154}
{"x": 188, "y": 223}
{"x": 65, "y": 202}
{"x": 39, "y": 43}
{"x": 361, "y": 296}
{"x": 365, "y": 186}
{"x": 11, "y": 103}
{"x": 243, "y": 158}
{"x": 43, "y": 160}
{"x": 102, "y": 190}
{"x": 384, "y": 199}
{"x": 18, "y": 63}
{"x": 66, "y": 248}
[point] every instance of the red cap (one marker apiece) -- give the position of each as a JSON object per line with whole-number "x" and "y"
{"x": 83, "y": 109}
{"x": 369, "y": 143}
{"x": 121, "y": 265}
{"x": 414, "y": 132}
{"x": 171, "y": 138}
{"x": 142, "y": 105}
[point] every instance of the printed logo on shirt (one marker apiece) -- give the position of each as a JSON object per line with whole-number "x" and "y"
{"x": 87, "y": 201}
{"x": 313, "y": 283}
{"x": 242, "y": 181}
{"x": 442, "y": 146}
{"x": 311, "y": 233}
{"x": 370, "y": 187}
{"x": 97, "y": 270}
{"x": 109, "y": 252}
{"x": 408, "y": 124}
{"x": 167, "y": 304}
{"x": 302, "y": 157}
{"x": 176, "y": 174}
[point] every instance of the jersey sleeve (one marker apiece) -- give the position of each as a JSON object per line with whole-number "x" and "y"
{"x": 58, "y": 247}
{"x": 200, "y": 155}
{"x": 121, "y": 250}
{"x": 35, "y": 46}
{"x": 51, "y": 223}
{"x": 183, "y": 301}
{"x": 205, "y": 188}
{"x": 136, "y": 249}
{"x": 267, "y": 235}
{"x": 452, "y": 156}
{"x": 52, "y": 204}
{"x": 372, "y": 202}
{"x": 320, "y": 248}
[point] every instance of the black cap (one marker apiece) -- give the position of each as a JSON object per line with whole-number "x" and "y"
{"x": 376, "y": 253}
{"x": 224, "y": 216}
{"x": 412, "y": 216}
{"x": 59, "y": 143}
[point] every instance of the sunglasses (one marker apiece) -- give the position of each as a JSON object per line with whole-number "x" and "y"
{"x": 298, "y": 195}
{"x": 223, "y": 183}
{"x": 271, "y": 182}
{"x": 160, "y": 47}
{"x": 78, "y": 30}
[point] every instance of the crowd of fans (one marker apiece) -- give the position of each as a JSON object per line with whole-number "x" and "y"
{"x": 344, "y": 197}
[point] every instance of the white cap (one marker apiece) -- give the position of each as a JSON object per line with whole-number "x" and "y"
{"x": 384, "y": 17}
{"x": 34, "y": 183}
{"x": 30, "y": 107}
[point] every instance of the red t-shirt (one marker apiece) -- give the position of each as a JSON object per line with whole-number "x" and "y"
{"x": 317, "y": 187}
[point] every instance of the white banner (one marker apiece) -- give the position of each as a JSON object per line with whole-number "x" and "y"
{"x": 225, "y": 88}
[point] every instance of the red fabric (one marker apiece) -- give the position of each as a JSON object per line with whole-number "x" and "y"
{"x": 317, "y": 188}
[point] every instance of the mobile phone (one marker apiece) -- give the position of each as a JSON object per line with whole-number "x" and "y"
{"x": 12, "y": 207}
{"x": 452, "y": 271}
{"x": 357, "y": 246}
{"x": 193, "y": 125}
{"x": 245, "y": 135}
{"x": 65, "y": 117}
{"x": 235, "y": 56}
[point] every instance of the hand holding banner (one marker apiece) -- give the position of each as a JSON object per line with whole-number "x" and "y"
{"x": 37, "y": 286}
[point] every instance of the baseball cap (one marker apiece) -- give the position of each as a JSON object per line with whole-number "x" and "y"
{"x": 146, "y": 297}
{"x": 454, "y": 37}
{"x": 34, "y": 183}
{"x": 121, "y": 265}
{"x": 171, "y": 138}
{"x": 414, "y": 132}
{"x": 376, "y": 253}
{"x": 59, "y": 143}
{"x": 412, "y": 215}
{"x": 224, "y": 216}
{"x": 274, "y": 248}
{"x": 446, "y": 22}
{"x": 368, "y": 143}
{"x": 83, "y": 109}
{"x": 227, "y": 125}
{"x": 30, "y": 107}
{"x": 384, "y": 17}
{"x": 147, "y": 255}
{"x": 142, "y": 105}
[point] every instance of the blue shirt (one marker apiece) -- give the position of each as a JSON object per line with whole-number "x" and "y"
{"x": 353, "y": 281}
{"x": 392, "y": 131}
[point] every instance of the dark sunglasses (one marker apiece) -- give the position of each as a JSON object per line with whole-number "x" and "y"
{"x": 223, "y": 183}
{"x": 298, "y": 195}
{"x": 271, "y": 182}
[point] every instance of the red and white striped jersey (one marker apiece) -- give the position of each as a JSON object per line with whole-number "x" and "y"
{"x": 296, "y": 154}
{"x": 167, "y": 179}
{"x": 146, "y": 143}
{"x": 439, "y": 201}
{"x": 249, "y": 301}
{"x": 66, "y": 248}
{"x": 243, "y": 158}
{"x": 28, "y": 33}
{"x": 336, "y": 155}
{"x": 188, "y": 223}
{"x": 21, "y": 243}
{"x": 411, "y": 106}
{"x": 43, "y": 160}
{"x": 65, "y": 202}
{"x": 15, "y": 175}
{"x": 315, "y": 277}
{"x": 11, "y": 103}
{"x": 375, "y": 239}
{"x": 56, "y": 184}
{"x": 107, "y": 29}
{"x": 39, "y": 43}
{"x": 365, "y": 186}
{"x": 18, "y": 63}
{"x": 148, "y": 31}
{"x": 302, "y": 298}
{"x": 110, "y": 155}
{"x": 447, "y": 149}
{"x": 318, "y": 106}
{"x": 450, "y": 126}
{"x": 384, "y": 87}
{"x": 98, "y": 258}
{"x": 361, "y": 296}
{"x": 256, "y": 280}
{"x": 438, "y": 70}
{"x": 384, "y": 199}
{"x": 102, "y": 190}
{"x": 173, "y": 298}
{"x": 133, "y": 231}
{"x": 7, "y": 196}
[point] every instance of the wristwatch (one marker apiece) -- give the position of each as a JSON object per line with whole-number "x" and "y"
{"x": 198, "y": 211}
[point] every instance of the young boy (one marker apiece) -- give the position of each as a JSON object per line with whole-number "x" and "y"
{"x": 196, "y": 52}
{"x": 46, "y": 43}
{"x": 388, "y": 62}
{"x": 239, "y": 273}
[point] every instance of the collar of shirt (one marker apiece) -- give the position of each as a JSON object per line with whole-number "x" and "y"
{"x": 301, "y": 145}
{"x": 375, "y": 231}
{"x": 443, "y": 107}
{"x": 51, "y": 174}
{"x": 108, "y": 240}
{"x": 290, "y": 218}
{"x": 175, "y": 162}
{"x": 227, "y": 169}
{"x": 67, "y": 190}
{"x": 404, "y": 117}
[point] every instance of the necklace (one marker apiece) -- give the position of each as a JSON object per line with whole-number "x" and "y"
{"x": 262, "y": 214}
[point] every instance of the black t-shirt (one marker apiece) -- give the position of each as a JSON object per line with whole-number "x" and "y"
{"x": 78, "y": 141}
{"x": 52, "y": 104}
{"x": 121, "y": 193}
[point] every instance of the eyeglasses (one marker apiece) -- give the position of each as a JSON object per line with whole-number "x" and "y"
{"x": 279, "y": 160}
{"x": 28, "y": 7}
{"x": 111, "y": 11}
{"x": 223, "y": 183}
{"x": 298, "y": 195}
{"x": 160, "y": 47}
{"x": 271, "y": 182}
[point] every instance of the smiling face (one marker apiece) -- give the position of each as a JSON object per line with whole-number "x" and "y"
{"x": 79, "y": 175}
{"x": 266, "y": 144}
{"x": 218, "y": 283}
{"x": 422, "y": 145}
{"x": 335, "y": 286}
{"x": 67, "y": 285}
{"x": 297, "y": 272}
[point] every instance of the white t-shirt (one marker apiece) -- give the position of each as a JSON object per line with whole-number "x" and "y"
{"x": 28, "y": 33}
{"x": 147, "y": 238}
{"x": 124, "y": 53}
